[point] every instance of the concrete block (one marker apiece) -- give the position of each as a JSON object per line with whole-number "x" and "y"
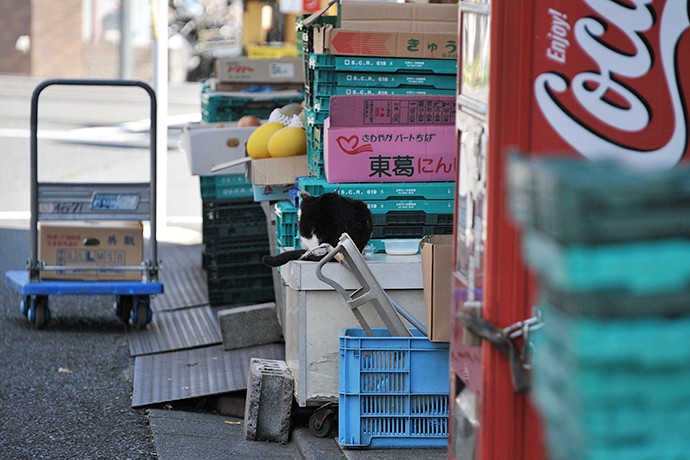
{"x": 268, "y": 405}
{"x": 248, "y": 326}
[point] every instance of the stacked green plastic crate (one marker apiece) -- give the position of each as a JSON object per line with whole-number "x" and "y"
{"x": 218, "y": 106}
{"x": 611, "y": 249}
{"x": 400, "y": 210}
{"x": 329, "y": 75}
{"x": 235, "y": 237}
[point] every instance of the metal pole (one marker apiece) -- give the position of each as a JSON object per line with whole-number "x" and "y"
{"x": 126, "y": 53}
{"x": 160, "y": 83}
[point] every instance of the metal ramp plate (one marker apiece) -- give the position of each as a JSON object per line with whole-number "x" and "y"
{"x": 183, "y": 276}
{"x": 184, "y": 287}
{"x": 176, "y": 330}
{"x": 186, "y": 374}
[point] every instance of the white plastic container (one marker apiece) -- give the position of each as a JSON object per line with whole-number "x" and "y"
{"x": 401, "y": 246}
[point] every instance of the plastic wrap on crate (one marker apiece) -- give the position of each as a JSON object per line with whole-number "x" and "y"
{"x": 640, "y": 267}
{"x": 577, "y": 200}
{"x": 393, "y": 391}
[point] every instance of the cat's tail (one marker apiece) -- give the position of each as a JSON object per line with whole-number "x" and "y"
{"x": 283, "y": 257}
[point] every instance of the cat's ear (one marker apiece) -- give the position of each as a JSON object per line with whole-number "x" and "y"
{"x": 303, "y": 194}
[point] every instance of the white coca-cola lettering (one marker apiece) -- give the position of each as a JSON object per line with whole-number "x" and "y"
{"x": 612, "y": 63}
{"x": 558, "y": 36}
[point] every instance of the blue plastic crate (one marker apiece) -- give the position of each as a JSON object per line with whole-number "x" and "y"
{"x": 393, "y": 391}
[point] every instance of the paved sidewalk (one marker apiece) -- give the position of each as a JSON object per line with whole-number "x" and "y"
{"x": 181, "y": 435}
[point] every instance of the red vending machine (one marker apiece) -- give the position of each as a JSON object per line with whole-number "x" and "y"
{"x": 596, "y": 78}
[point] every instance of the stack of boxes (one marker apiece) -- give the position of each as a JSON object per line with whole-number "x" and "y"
{"x": 246, "y": 86}
{"x": 235, "y": 234}
{"x": 380, "y": 100}
{"x": 389, "y": 71}
{"x": 610, "y": 248}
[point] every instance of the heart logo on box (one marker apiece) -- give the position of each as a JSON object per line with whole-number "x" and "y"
{"x": 350, "y": 145}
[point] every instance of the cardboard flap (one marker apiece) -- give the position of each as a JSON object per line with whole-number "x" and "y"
{"x": 230, "y": 164}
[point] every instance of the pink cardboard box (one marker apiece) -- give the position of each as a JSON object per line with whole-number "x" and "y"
{"x": 412, "y": 153}
{"x": 392, "y": 110}
{"x": 389, "y": 138}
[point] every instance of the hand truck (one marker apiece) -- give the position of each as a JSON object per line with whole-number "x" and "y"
{"x": 71, "y": 201}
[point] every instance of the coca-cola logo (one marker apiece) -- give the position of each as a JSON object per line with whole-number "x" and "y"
{"x": 605, "y": 94}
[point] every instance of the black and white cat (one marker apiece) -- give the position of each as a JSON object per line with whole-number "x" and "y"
{"x": 323, "y": 219}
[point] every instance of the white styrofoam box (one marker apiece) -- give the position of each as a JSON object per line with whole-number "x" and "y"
{"x": 315, "y": 314}
{"x": 209, "y": 144}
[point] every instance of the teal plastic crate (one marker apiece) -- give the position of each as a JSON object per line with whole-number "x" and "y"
{"x": 393, "y": 391}
{"x": 217, "y": 107}
{"x": 384, "y": 80}
{"x": 642, "y": 342}
{"x": 322, "y": 102}
{"x": 380, "y": 191}
{"x": 314, "y": 116}
{"x": 606, "y": 433}
{"x": 580, "y": 201}
{"x": 590, "y": 386}
{"x": 382, "y": 65}
{"x": 615, "y": 303}
{"x": 225, "y": 187}
{"x": 286, "y": 224}
{"x": 326, "y": 90}
{"x": 426, "y": 206}
{"x": 640, "y": 267}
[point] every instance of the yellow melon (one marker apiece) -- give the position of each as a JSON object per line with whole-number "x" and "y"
{"x": 288, "y": 142}
{"x": 257, "y": 144}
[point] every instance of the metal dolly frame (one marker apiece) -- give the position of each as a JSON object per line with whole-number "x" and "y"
{"x": 90, "y": 201}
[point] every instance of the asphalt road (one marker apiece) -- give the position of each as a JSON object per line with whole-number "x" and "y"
{"x": 65, "y": 391}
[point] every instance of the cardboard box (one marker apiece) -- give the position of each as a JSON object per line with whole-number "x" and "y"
{"x": 362, "y": 146}
{"x": 437, "y": 261}
{"x": 352, "y": 42}
{"x": 415, "y": 30}
{"x": 91, "y": 243}
{"x": 242, "y": 69}
{"x": 272, "y": 192}
{"x": 279, "y": 171}
{"x": 393, "y": 110}
{"x": 209, "y": 144}
{"x": 399, "y": 17}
